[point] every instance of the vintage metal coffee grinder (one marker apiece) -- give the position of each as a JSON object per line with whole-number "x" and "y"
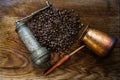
{"x": 39, "y": 55}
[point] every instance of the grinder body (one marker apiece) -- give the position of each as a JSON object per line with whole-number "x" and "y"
{"x": 39, "y": 55}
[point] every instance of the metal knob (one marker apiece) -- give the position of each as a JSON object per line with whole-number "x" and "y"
{"x": 39, "y": 55}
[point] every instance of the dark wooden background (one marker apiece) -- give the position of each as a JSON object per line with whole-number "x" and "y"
{"x": 15, "y": 63}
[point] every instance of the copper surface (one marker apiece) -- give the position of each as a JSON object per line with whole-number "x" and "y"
{"x": 98, "y": 41}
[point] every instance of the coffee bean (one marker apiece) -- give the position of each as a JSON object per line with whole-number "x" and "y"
{"x": 55, "y": 29}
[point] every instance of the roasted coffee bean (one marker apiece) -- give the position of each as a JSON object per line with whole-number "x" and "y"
{"x": 55, "y": 29}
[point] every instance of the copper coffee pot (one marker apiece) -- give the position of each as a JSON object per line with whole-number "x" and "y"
{"x": 99, "y": 42}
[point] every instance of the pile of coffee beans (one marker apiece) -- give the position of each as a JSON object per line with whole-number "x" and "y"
{"x": 55, "y": 29}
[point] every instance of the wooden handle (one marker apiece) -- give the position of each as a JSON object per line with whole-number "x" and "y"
{"x": 62, "y": 60}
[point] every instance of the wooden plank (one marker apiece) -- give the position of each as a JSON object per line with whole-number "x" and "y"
{"x": 15, "y": 63}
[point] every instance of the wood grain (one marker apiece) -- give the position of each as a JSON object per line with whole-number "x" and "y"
{"x": 15, "y": 63}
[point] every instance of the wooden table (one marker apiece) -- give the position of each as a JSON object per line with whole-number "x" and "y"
{"x": 15, "y": 63}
